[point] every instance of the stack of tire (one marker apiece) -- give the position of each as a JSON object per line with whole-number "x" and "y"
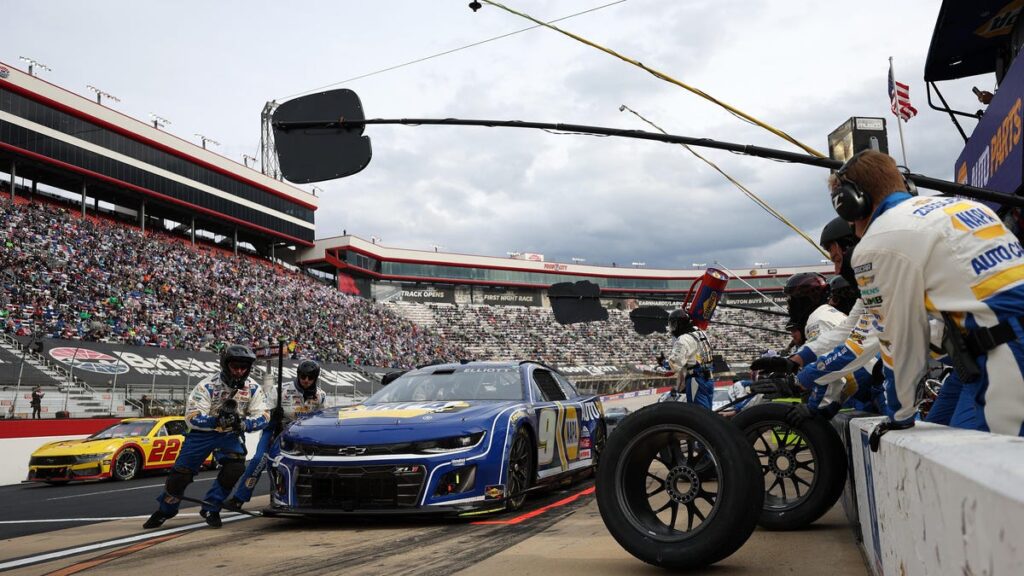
{"x": 680, "y": 487}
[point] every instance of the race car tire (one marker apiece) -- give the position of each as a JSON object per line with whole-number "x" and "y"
{"x": 126, "y": 464}
{"x": 649, "y": 491}
{"x": 810, "y": 458}
{"x": 520, "y": 470}
{"x": 599, "y": 441}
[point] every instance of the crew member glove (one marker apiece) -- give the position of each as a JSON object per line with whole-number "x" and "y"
{"x": 800, "y": 414}
{"x": 775, "y": 365}
{"x": 229, "y": 421}
{"x": 883, "y": 428}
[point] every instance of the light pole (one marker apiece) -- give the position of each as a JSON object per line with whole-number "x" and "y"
{"x": 113, "y": 386}
{"x": 33, "y": 64}
{"x": 100, "y": 95}
{"x": 159, "y": 121}
{"x": 205, "y": 140}
{"x": 71, "y": 379}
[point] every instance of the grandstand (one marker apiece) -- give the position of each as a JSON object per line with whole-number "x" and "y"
{"x": 147, "y": 254}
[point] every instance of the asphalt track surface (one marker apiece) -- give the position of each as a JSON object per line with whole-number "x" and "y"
{"x": 96, "y": 528}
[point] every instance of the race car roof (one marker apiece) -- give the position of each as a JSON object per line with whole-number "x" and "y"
{"x": 967, "y": 37}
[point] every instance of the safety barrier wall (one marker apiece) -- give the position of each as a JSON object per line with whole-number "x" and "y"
{"x": 937, "y": 500}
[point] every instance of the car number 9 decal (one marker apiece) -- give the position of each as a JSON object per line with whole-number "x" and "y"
{"x": 558, "y": 433}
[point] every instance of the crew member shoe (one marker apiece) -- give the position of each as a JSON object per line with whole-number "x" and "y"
{"x": 233, "y": 504}
{"x": 157, "y": 519}
{"x": 212, "y": 518}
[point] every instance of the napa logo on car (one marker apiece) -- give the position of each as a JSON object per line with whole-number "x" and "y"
{"x": 88, "y": 360}
{"x": 400, "y": 410}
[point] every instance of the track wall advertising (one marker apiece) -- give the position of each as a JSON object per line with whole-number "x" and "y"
{"x": 99, "y": 364}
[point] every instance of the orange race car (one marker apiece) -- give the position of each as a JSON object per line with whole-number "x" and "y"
{"x": 121, "y": 451}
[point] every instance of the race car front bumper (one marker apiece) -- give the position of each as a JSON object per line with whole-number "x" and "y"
{"x": 64, "y": 473}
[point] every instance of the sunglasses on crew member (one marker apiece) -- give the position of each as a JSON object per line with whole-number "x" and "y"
{"x": 306, "y": 377}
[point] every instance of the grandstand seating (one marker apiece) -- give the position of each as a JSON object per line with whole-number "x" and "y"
{"x": 95, "y": 279}
{"x": 513, "y": 332}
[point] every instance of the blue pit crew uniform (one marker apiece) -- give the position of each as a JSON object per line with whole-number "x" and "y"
{"x": 201, "y": 415}
{"x": 295, "y": 404}
{"x": 921, "y": 257}
{"x": 690, "y": 355}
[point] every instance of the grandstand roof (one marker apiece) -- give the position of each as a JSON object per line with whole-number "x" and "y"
{"x": 329, "y": 254}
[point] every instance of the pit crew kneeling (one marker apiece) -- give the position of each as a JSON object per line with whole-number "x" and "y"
{"x": 219, "y": 409}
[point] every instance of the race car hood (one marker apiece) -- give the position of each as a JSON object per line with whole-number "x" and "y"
{"x": 83, "y": 446}
{"x": 397, "y": 422}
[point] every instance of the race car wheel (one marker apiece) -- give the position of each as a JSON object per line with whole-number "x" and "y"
{"x": 655, "y": 501}
{"x": 804, "y": 468}
{"x": 125, "y": 465}
{"x": 598, "y": 442}
{"x": 520, "y": 470}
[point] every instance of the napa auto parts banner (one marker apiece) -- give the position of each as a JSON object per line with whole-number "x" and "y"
{"x": 99, "y": 364}
{"x": 992, "y": 158}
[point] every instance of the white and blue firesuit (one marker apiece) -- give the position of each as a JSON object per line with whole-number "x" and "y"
{"x": 690, "y": 357}
{"x": 838, "y": 364}
{"x": 922, "y": 257}
{"x": 201, "y": 414}
{"x": 295, "y": 404}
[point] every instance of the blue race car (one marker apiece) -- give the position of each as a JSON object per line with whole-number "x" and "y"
{"x": 461, "y": 439}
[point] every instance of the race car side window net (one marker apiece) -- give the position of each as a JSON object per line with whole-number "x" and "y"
{"x": 549, "y": 389}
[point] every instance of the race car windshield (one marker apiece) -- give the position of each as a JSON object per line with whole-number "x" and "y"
{"x": 452, "y": 385}
{"x": 124, "y": 430}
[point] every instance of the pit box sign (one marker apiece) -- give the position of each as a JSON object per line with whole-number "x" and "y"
{"x": 993, "y": 158}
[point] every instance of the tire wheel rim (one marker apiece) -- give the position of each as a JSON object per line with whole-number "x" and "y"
{"x": 663, "y": 484}
{"x": 788, "y": 462}
{"x": 518, "y": 471}
{"x": 127, "y": 462}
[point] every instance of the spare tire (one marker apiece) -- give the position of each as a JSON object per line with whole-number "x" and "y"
{"x": 810, "y": 458}
{"x": 656, "y": 500}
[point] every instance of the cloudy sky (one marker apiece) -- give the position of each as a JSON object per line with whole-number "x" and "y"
{"x": 803, "y": 66}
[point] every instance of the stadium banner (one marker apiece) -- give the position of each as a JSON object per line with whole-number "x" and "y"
{"x": 428, "y": 294}
{"x": 753, "y": 299}
{"x": 499, "y": 297}
{"x": 993, "y": 157}
{"x": 99, "y": 363}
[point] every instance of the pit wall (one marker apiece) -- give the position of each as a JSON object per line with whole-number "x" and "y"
{"x": 937, "y": 500}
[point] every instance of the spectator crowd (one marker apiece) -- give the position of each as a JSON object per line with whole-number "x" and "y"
{"x": 95, "y": 279}
{"x": 76, "y": 278}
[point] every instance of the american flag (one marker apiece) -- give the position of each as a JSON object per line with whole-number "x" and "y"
{"x": 899, "y": 96}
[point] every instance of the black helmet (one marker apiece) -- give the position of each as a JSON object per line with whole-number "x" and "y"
{"x": 838, "y": 230}
{"x": 239, "y": 354}
{"x": 679, "y": 322}
{"x": 843, "y": 295}
{"x": 804, "y": 293}
{"x": 308, "y": 368}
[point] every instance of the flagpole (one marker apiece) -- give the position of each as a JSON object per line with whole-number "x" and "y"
{"x": 903, "y": 146}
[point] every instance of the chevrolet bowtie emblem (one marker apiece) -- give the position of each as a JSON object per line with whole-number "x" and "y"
{"x": 351, "y": 451}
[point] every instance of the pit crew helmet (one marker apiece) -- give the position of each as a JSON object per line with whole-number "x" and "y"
{"x": 804, "y": 293}
{"x": 308, "y": 368}
{"x": 843, "y": 295}
{"x": 838, "y": 230}
{"x": 236, "y": 353}
{"x": 679, "y": 322}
